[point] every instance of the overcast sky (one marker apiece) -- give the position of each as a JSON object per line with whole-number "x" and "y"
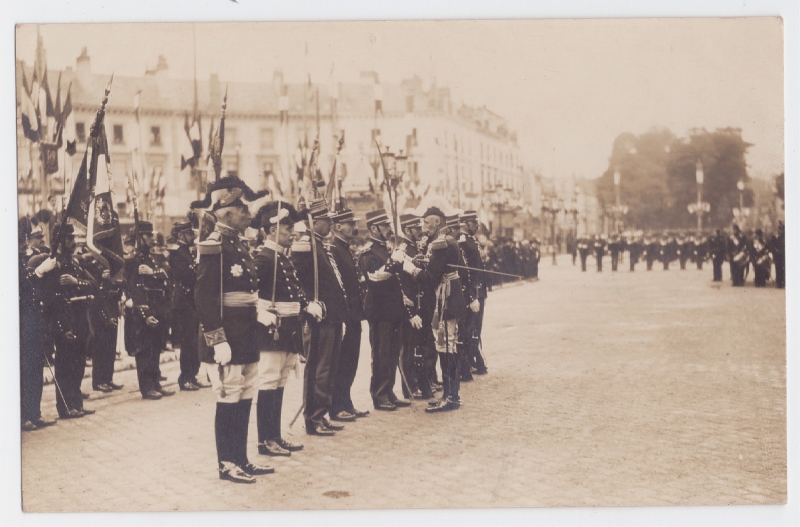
{"x": 569, "y": 87}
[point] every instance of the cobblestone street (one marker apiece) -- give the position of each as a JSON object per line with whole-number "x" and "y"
{"x": 645, "y": 388}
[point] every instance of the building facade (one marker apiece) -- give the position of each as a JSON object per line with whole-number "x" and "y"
{"x": 466, "y": 156}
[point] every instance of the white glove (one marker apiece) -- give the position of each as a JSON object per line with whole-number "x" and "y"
{"x": 45, "y": 267}
{"x": 410, "y": 268}
{"x": 416, "y": 322}
{"x": 222, "y": 353}
{"x": 475, "y": 306}
{"x": 143, "y": 269}
{"x": 267, "y": 318}
{"x": 315, "y": 310}
{"x": 398, "y": 256}
{"x": 129, "y": 303}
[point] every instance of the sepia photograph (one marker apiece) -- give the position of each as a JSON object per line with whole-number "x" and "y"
{"x": 401, "y": 264}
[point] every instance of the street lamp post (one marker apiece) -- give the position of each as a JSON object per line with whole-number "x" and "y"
{"x": 701, "y": 206}
{"x": 552, "y": 207}
{"x": 742, "y": 212}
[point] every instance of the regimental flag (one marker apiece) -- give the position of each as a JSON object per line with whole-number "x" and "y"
{"x": 192, "y": 148}
{"x": 50, "y": 127}
{"x": 91, "y": 204}
{"x": 42, "y": 94}
{"x": 68, "y": 123}
{"x": 301, "y": 160}
{"x": 334, "y": 188}
{"x": 103, "y": 234}
{"x": 216, "y": 140}
{"x": 30, "y": 121}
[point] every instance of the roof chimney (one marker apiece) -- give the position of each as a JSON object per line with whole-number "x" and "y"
{"x": 83, "y": 64}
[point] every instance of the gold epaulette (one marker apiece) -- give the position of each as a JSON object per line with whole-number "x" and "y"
{"x": 209, "y": 247}
{"x": 365, "y": 249}
{"x": 439, "y": 244}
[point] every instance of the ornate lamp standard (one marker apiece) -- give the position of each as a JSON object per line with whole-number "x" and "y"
{"x": 701, "y": 206}
{"x": 552, "y": 207}
{"x": 742, "y": 212}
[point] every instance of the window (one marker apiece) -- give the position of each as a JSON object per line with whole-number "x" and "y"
{"x": 230, "y": 137}
{"x": 155, "y": 136}
{"x": 231, "y": 168}
{"x": 80, "y": 132}
{"x": 119, "y": 138}
{"x": 267, "y": 139}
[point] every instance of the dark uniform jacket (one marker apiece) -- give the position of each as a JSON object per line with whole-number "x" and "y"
{"x": 384, "y": 299}
{"x": 351, "y": 277}
{"x": 290, "y": 299}
{"x": 183, "y": 269}
{"x": 67, "y": 305}
{"x": 150, "y": 293}
{"x": 226, "y": 295}
{"x": 471, "y": 251}
{"x": 737, "y": 248}
{"x": 330, "y": 290}
{"x": 104, "y": 311}
{"x": 441, "y": 253}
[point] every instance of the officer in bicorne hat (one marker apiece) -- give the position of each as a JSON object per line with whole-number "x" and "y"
{"x": 281, "y": 302}
{"x": 322, "y": 283}
{"x": 344, "y": 232}
{"x": 385, "y": 311}
{"x": 226, "y": 299}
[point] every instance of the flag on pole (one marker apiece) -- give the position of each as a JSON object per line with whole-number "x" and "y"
{"x": 68, "y": 120}
{"x": 103, "y": 234}
{"x": 30, "y": 123}
{"x": 217, "y": 140}
{"x": 50, "y": 112}
{"x": 83, "y": 207}
{"x": 193, "y": 145}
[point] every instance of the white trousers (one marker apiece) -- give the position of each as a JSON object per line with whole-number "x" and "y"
{"x": 235, "y": 382}
{"x": 274, "y": 368}
{"x": 445, "y": 336}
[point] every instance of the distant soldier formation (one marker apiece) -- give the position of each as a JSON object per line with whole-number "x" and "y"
{"x": 741, "y": 250}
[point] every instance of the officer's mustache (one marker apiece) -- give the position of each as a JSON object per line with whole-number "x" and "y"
{"x": 355, "y": 232}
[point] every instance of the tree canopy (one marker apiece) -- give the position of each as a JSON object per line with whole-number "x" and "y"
{"x": 658, "y": 177}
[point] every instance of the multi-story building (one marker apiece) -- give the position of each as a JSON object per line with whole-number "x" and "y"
{"x": 463, "y": 155}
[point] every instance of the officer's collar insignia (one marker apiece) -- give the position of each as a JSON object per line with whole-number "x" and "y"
{"x": 227, "y": 231}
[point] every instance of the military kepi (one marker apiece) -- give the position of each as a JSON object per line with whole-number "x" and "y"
{"x": 469, "y": 215}
{"x": 343, "y": 216}
{"x": 377, "y": 217}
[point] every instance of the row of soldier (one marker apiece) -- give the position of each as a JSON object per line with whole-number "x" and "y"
{"x": 247, "y": 318}
{"x": 740, "y": 249}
